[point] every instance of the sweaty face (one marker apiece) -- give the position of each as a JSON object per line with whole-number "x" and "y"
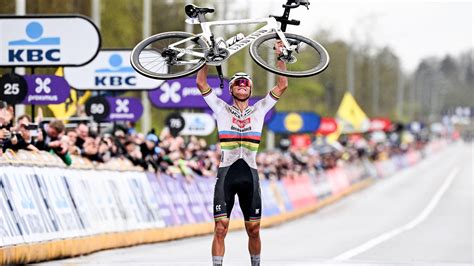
{"x": 241, "y": 89}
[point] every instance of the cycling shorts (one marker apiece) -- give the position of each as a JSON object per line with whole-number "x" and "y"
{"x": 238, "y": 178}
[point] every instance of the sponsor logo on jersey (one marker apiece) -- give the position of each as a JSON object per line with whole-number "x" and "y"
{"x": 241, "y": 123}
{"x": 240, "y": 130}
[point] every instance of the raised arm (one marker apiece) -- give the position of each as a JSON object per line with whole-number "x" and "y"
{"x": 201, "y": 80}
{"x": 214, "y": 102}
{"x": 282, "y": 81}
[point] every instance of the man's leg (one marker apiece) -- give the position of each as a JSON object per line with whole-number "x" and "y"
{"x": 255, "y": 245}
{"x": 218, "y": 247}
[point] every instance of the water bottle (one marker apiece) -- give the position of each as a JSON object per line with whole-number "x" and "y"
{"x": 235, "y": 39}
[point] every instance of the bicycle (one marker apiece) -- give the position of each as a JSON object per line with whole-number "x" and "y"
{"x": 171, "y": 55}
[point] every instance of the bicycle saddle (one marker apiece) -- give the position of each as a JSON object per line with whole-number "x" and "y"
{"x": 193, "y": 11}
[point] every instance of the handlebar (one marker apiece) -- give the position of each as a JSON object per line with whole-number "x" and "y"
{"x": 296, "y": 3}
{"x": 290, "y": 4}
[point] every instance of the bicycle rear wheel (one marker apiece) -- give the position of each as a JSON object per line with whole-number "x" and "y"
{"x": 153, "y": 57}
{"x": 310, "y": 58}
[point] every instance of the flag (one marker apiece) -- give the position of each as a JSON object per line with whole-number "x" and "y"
{"x": 351, "y": 118}
{"x": 69, "y": 108}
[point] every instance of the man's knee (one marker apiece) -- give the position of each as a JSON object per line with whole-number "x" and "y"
{"x": 221, "y": 228}
{"x": 253, "y": 230}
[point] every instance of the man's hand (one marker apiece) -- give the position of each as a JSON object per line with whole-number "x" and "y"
{"x": 282, "y": 82}
{"x": 279, "y": 46}
{"x": 54, "y": 144}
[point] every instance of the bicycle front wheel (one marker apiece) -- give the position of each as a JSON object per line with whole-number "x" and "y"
{"x": 308, "y": 58}
{"x": 169, "y": 55}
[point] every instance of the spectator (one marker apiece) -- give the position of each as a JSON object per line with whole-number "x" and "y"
{"x": 82, "y": 132}
{"x": 21, "y": 137}
{"x": 53, "y": 140}
{"x": 5, "y": 119}
{"x": 132, "y": 153}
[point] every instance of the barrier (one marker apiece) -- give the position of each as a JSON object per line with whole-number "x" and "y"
{"x": 49, "y": 211}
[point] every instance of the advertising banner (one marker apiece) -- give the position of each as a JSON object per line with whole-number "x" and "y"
{"x": 196, "y": 202}
{"x": 110, "y": 70}
{"x": 165, "y": 203}
{"x": 269, "y": 203}
{"x": 131, "y": 215}
{"x": 197, "y": 124}
{"x": 338, "y": 180}
{"x": 145, "y": 199}
{"x": 29, "y": 207}
{"x": 327, "y": 126}
{"x": 180, "y": 199}
{"x": 380, "y": 124}
{"x": 183, "y": 93}
{"x": 54, "y": 191}
{"x": 300, "y": 141}
{"x": 46, "y": 89}
{"x": 9, "y": 232}
{"x": 303, "y": 122}
{"x": 206, "y": 188}
{"x": 47, "y": 40}
{"x": 321, "y": 186}
{"x": 299, "y": 191}
{"x": 283, "y": 192}
{"x": 106, "y": 195}
{"x": 81, "y": 189}
{"x": 124, "y": 109}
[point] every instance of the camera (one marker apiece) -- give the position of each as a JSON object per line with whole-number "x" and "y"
{"x": 33, "y": 128}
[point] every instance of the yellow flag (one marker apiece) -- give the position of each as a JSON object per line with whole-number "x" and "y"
{"x": 68, "y": 108}
{"x": 351, "y": 118}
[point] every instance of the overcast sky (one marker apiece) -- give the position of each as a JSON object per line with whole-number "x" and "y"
{"x": 413, "y": 29}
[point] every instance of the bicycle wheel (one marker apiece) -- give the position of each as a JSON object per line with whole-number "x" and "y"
{"x": 309, "y": 58}
{"x": 153, "y": 57}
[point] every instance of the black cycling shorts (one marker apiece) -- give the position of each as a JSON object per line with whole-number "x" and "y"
{"x": 242, "y": 180}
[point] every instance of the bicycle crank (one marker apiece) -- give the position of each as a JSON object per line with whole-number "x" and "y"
{"x": 215, "y": 59}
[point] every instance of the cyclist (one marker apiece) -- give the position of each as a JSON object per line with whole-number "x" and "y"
{"x": 240, "y": 127}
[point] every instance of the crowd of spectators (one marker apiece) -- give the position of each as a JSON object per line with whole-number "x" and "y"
{"x": 165, "y": 153}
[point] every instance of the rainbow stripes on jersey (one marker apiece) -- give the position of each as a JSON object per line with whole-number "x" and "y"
{"x": 232, "y": 140}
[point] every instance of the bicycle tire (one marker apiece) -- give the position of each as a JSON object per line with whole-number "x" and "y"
{"x": 148, "y": 52}
{"x": 313, "y": 52}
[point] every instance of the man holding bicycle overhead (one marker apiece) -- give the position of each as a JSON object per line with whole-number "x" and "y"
{"x": 240, "y": 127}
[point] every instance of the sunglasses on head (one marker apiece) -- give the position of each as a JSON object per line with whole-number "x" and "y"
{"x": 242, "y": 82}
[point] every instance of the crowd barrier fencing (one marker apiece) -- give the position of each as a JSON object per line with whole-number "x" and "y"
{"x": 49, "y": 211}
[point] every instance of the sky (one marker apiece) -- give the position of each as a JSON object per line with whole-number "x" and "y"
{"x": 414, "y": 29}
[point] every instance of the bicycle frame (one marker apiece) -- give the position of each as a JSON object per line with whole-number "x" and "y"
{"x": 271, "y": 25}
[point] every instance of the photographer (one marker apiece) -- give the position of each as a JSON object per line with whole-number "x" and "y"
{"x": 52, "y": 140}
{"x": 21, "y": 137}
{"x": 6, "y": 116}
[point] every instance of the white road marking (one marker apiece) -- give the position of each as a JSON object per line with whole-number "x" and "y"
{"x": 386, "y": 236}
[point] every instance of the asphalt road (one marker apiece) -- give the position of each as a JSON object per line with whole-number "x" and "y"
{"x": 420, "y": 216}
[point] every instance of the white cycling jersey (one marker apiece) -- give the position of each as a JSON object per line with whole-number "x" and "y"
{"x": 239, "y": 132}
